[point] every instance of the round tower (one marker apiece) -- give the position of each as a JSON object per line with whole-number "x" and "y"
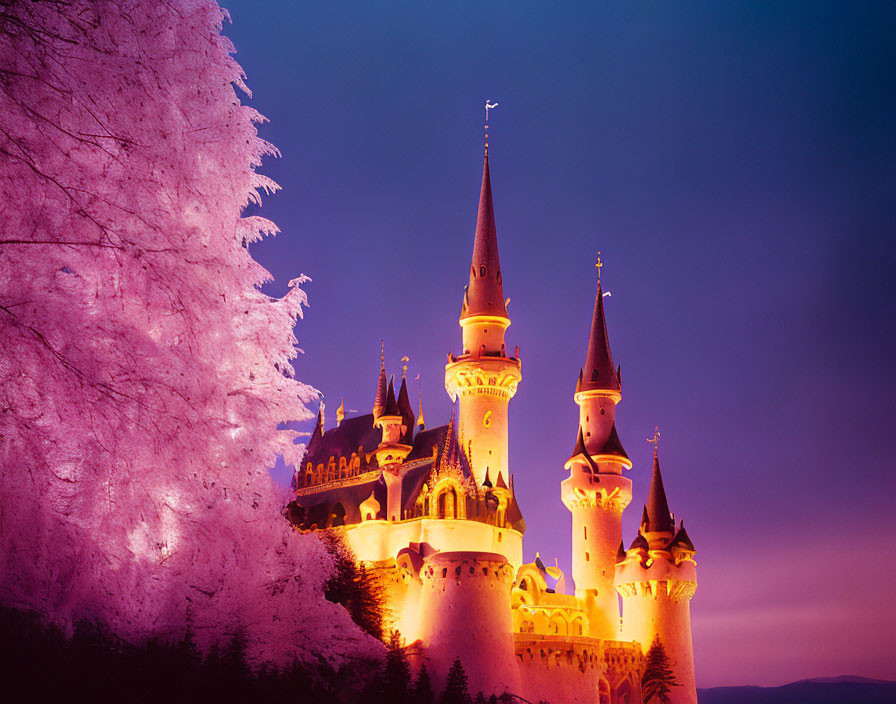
{"x": 656, "y": 578}
{"x": 465, "y": 613}
{"x": 595, "y": 492}
{"x": 483, "y": 377}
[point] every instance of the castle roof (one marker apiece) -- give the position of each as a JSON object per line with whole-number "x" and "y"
{"x": 485, "y": 293}
{"x": 379, "y": 401}
{"x": 640, "y": 543}
{"x": 487, "y": 482}
{"x": 407, "y": 413}
{"x": 599, "y": 372}
{"x": 659, "y": 518}
{"x": 581, "y": 451}
{"x": 341, "y": 441}
{"x": 391, "y": 408}
{"x": 620, "y": 553}
{"x": 318, "y": 427}
{"x": 613, "y": 445}
{"x": 682, "y": 540}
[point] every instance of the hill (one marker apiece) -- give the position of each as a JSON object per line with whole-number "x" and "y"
{"x": 823, "y": 690}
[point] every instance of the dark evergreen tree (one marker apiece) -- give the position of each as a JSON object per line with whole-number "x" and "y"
{"x": 423, "y": 693}
{"x": 354, "y": 587}
{"x": 658, "y": 678}
{"x": 479, "y": 699}
{"x": 456, "y": 691}
{"x": 397, "y": 677}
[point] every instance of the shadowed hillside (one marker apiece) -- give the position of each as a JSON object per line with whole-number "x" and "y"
{"x": 827, "y": 690}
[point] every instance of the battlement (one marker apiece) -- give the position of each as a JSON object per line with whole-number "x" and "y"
{"x": 467, "y": 567}
{"x": 675, "y": 590}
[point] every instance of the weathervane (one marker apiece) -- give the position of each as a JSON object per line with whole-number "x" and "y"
{"x": 655, "y": 439}
{"x": 488, "y": 106}
{"x": 599, "y": 265}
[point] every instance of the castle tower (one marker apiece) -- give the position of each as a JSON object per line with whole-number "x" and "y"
{"x": 465, "y": 613}
{"x": 595, "y": 491}
{"x": 657, "y": 577}
{"x": 483, "y": 377}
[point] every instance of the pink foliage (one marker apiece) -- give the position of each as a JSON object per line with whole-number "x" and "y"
{"x": 143, "y": 375}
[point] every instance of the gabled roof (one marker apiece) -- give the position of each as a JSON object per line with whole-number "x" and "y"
{"x": 485, "y": 293}
{"x": 659, "y": 518}
{"x": 598, "y": 372}
{"x": 343, "y": 440}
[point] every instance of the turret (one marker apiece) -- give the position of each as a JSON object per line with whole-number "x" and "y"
{"x": 656, "y": 578}
{"x": 483, "y": 377}
{"x": 390, "y": 421}
{"x": 595, "y": 492}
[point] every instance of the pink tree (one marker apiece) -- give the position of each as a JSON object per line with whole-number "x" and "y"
{"x": 143, "y": 375}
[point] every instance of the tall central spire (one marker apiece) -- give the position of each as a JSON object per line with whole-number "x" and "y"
{"x": 598, "y": 372}
{"x": 485, "y": 292}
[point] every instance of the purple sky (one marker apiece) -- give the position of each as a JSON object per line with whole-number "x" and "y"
{"x": 735, "y": 165}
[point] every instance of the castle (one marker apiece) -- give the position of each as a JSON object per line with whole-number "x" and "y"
{"x": 434, "y": 513}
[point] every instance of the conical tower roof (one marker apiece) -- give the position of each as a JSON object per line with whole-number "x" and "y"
{"x": 682, "y": 539}
{"x": 659, "y": 518}
{"x": 379, "y": 401}
{"x": 406, "y": 412}
{"x": 581, "y": 451}
{"x": 620, "y": 553}
{"x": 599, "y": 372}
{"x": 391, "y": 408}
{"x": 318, "y": 432}
{"x": 485, "y": 292}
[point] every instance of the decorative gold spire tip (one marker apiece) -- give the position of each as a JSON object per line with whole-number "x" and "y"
{"x": 655, "y": 439}
{"x": 488, "y": 106}
{"x": 599, "y": 265}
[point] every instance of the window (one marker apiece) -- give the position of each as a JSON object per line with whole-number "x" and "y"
{"x": 587, "y": 557}
{"x": 586, "y": 532}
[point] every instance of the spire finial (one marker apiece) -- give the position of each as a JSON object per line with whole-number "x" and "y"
{"x": 488, "y": 106}
{"x": 382, "y": 351}
{"x": 599, "y": 265}
{"x": 420, "y": 421}
{"x": 404, "y": 366}
{"x": 655, "y": 439}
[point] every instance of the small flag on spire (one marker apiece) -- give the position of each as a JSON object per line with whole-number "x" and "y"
{"x": 340, "y": 412}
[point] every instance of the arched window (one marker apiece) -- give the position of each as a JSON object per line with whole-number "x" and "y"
{"x": 337, "y": 515}
{"x": 448, "y": 503}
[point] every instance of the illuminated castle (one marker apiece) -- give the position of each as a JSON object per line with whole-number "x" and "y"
{"x": 434, "y": 513}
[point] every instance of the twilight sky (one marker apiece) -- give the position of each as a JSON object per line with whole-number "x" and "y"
{"x": 735, "y": 163}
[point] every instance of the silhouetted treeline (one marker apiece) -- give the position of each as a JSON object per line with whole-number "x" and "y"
{"x": 38, "y": 663}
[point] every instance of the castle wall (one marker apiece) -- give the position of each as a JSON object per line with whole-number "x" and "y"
{"x": 465, "y": 613}
{"x": 380, "y": 541}
{"x": 561, "y": 670}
